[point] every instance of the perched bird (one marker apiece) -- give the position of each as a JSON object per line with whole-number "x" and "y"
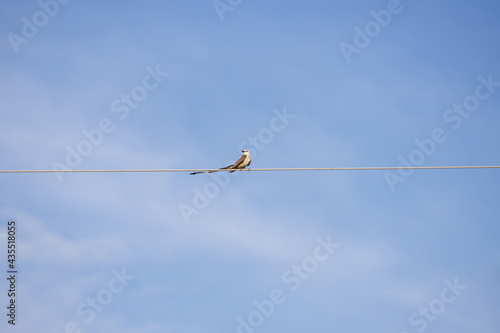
{"x": 241, "y": 163}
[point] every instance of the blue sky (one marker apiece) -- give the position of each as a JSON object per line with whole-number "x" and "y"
{"x": 164, "y": 84}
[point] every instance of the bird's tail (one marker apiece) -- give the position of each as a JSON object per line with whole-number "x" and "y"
{"x": 208, "y": 171}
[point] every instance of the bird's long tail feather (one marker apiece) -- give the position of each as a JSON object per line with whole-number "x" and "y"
{"x": 208, "y": 171}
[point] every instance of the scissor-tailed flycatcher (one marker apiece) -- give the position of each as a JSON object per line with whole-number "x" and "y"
{"x": 241, "y": 163}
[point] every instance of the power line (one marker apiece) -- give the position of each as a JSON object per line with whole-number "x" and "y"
{"x": 261, "y": 169}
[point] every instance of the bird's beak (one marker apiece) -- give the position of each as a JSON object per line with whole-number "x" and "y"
{"x": 242, "y": 151}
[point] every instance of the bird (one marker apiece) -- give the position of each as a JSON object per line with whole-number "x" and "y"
{"x": 241, "y": 163}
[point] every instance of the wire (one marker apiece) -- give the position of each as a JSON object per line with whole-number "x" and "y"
{"x": 262, "y": 169}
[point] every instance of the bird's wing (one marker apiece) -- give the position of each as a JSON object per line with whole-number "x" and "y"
{"x": 238, "y": 162}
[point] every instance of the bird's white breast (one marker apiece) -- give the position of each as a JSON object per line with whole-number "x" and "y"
{"x": 247, "y": 160}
